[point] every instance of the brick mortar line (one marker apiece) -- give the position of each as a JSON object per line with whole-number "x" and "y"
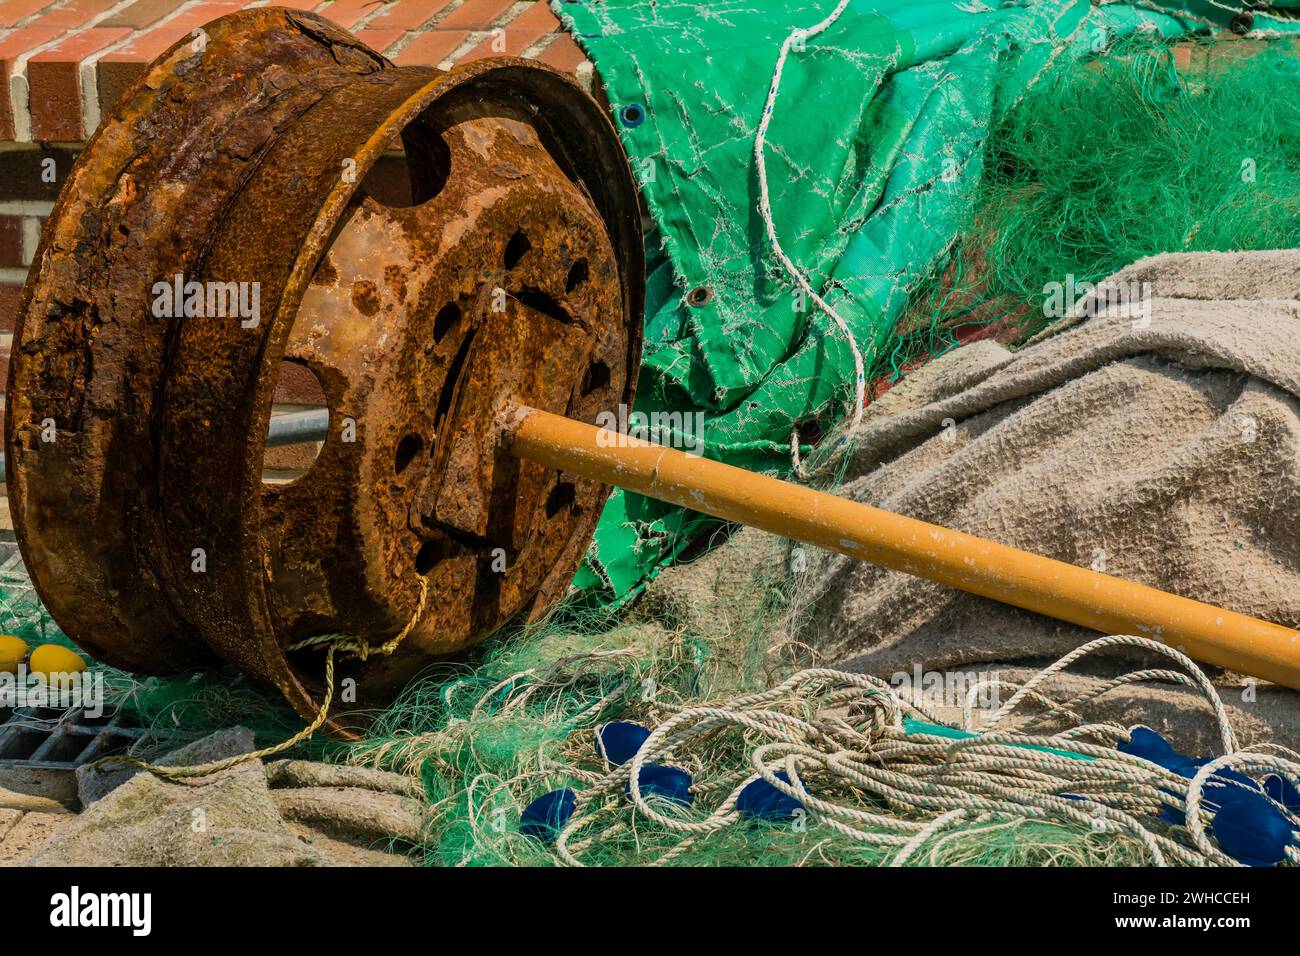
{"x": 380, "y": 7}
{"x": 37, "y": 14}
{"x": 13, "y": 146}
{"x": 402, "y": 43}
{"x": 9, "y": 146}
{"x": 516, "y": 10}
{"x": 409, "y": 36}
{"x": 505, "y": 18}
{"x": 135, "y": 34}
{"x": 25, "y": 207}
{"x": 433, "y": 21}
{"x": 502, "y": 21}
{"x": 90, "y": 115}
{"x": 20, "y": 103}
{"x": 88, "y": 87}
{"x": 585, "y": 75}
{"x": 538, "y": 46}
{"x": 19, "y": 91}
{"x": 470, "y": 42}
{"x": 18, "y": 84}
{"x": 509, "y": 15}
{"x": 323, "y": 11}
{"x": 31, "y": 239}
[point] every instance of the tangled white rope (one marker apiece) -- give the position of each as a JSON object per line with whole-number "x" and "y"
{"x": 800, "y": 36}
{"x": 835, "y": 742}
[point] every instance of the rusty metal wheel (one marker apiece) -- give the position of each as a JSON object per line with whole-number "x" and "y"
{"x": 135, "y": 435}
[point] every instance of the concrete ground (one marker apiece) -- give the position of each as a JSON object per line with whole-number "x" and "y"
{"x": 23, "y": 831}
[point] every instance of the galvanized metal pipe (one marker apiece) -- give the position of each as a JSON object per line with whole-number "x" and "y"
{"x": 296, "y": 428}
{"x": 1102, "y": 602}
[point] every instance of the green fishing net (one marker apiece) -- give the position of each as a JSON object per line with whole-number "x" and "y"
{"x": 874, "y": 155}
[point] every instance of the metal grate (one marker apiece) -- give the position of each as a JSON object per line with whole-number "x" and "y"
{"x": 42, "y": 747}
{"x": 49, "y": 738}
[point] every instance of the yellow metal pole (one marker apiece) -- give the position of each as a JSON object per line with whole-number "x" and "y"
{"x": 1104, "y": 603}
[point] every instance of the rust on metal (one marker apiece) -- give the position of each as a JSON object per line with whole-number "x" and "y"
{"x": 135, "y": 439}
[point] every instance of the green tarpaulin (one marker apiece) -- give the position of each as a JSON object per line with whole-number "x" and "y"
{"x": 872, "y": 156}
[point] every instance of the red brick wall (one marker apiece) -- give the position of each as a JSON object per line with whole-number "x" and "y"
{"x": 64, "y": 63}
{"x": 29, "y": 182}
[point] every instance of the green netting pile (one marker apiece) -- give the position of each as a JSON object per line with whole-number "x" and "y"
{"x": 524, "y": 723}
{"x": 1127, "y": 157}
{"x": 875, "y": 150}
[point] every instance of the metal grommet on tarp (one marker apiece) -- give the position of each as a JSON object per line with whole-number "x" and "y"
{"x": 700, "y": 296}
{"x": 631, "y": 115}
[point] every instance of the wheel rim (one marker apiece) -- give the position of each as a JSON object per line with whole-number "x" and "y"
{"x": 231, "y": 164}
